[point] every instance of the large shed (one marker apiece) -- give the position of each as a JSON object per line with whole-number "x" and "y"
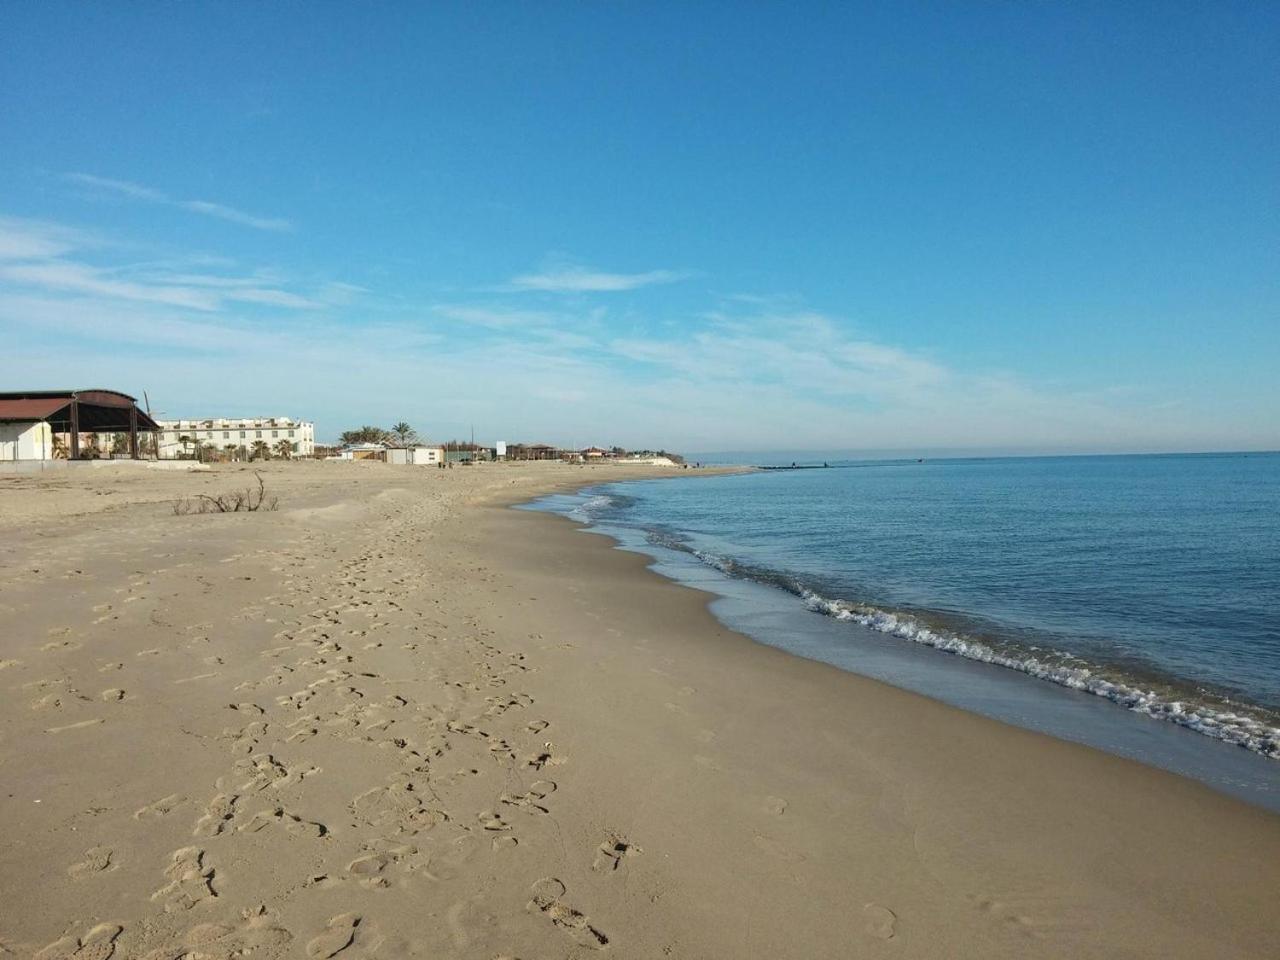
{"x": 29, "y": 419}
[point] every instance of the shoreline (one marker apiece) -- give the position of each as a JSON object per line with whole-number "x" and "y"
{"x": 401, "y": 718}
{"x": 1055, "y": 811}
{"x": 773, "y": 609}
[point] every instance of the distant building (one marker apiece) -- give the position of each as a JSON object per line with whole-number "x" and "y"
{"x": 223, "y": 433}
{"x": 532, "y": 451}
{"x": 44, "y": 425}
{"x": 26, "y": 440}
{"x": 362, "y": 451}
{"x": 418, "y": 456}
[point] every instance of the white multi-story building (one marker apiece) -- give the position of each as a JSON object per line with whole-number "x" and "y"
{"x": 225, "y": 432}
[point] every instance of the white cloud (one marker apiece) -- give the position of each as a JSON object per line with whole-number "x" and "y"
{"x": 36, "y": 239}
{"x": 566, "y": 332}
{"x": 493, "y": 318}
{"x": 33, "y": 256}
{"x": 61, "y": 275}
{"x": 762, "y": 374}
{"x": 136, "y": 191}
{"x": 582, "y": 280}
{"x": 235, "y": 216}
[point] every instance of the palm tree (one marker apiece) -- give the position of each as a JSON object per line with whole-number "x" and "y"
{"x": 261, "y": 451}
{"x": 365, "y": 434}
{"x": 404, "y": 434}
{"x": 284, "y": 448}
{"x": 230, "y": 450}
{"x": 186, "y": 441}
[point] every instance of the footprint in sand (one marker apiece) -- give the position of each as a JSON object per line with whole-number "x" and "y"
{"x": 112, "y": 695}
{"x": 775, "y": 805}
{"x": 65, "y": 645}
{"x": 611, "y": 853}
{"x": 98, "y": 944}
{"x": 279, "y": 816}
{"x": 881, "y": 921}
{"x": 531, "y": 800}
{"x": 217, "y": 816}
{"x": 546, "y": 900}
{"x": 160, "y": 808}
{"x": 190, "y": 881}
{"x": 370, "y": 868}
{"x": 96, "y": 860}
{"x": 74, "y": 726}
{"x": 778, "y": 850}
{"x": 245, "y": 740}
{"x": 451, "y": 859}
{"x": 491, "y": 821}
{"x": 544, "y": 758}
{"x": 340, "y": 934}
{"x": 258, "y": 934}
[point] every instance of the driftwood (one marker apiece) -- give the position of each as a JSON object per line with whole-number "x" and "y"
{"x": 247, "y": 500}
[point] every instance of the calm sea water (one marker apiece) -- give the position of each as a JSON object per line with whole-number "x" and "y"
{"x": 1149, "y": 582}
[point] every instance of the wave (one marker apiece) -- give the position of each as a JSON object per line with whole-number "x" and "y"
{"x": 1231, "y": 726}
{"x": 592, "y": 507}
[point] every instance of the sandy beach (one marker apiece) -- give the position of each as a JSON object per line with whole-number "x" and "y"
{"x": 394, "y": 718}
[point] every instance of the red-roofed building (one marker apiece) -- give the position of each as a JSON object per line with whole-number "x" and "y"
{"x": 48, "y": 424}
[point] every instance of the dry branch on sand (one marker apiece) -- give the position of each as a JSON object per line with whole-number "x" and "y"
{"x": 247, "y": 500}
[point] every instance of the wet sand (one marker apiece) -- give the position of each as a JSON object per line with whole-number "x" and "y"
{"x": 397, "y": 719}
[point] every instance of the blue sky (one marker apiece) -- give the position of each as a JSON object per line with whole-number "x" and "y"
{"x": 988, "y": 227}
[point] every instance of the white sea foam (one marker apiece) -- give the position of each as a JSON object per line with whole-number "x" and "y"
{"x": 591, "y": 507}
{"x": 1231, "y": 727}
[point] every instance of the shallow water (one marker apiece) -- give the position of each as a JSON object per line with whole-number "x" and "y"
{"x": 1084, "y": 596}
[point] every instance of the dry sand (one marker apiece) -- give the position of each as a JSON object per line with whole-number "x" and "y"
{"x": 396, "y": 719}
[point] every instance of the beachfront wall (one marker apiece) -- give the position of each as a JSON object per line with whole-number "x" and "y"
{"x": 26, "y": 441}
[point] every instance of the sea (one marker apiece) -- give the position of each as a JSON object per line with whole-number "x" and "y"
{"x": 1131, "y": 603}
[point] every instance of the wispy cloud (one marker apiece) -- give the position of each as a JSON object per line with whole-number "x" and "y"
{"x": 136, "y": 191}
{"x": 22, "y": 239}
{"x": 234, "y": 216}
{"x": 758, "y": 373}
{"x": 572, "y": 279}
{"x": 49, "y": 258}
{"x": 66, "y": 276}
{"x": 566, "y": 332}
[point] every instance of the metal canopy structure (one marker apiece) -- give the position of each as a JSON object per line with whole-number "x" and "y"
{"x": 79, "y": 411}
